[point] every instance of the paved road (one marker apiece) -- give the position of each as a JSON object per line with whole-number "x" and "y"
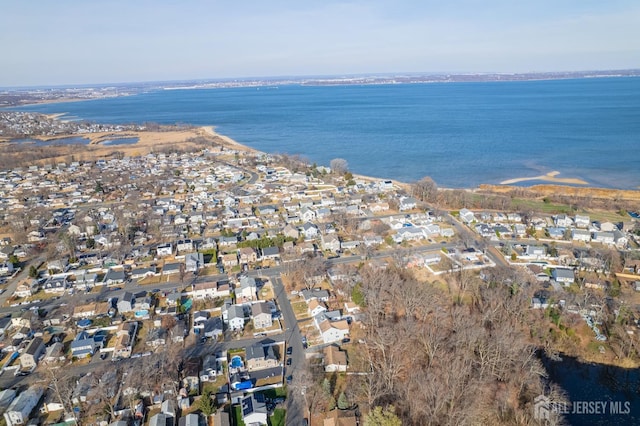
{"x": 465, "y": 233}
{"x": 291, "y": 335}
{"x": 21, "y": 276}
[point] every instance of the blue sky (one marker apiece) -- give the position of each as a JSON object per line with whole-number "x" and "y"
{"x": 83, "y": 41}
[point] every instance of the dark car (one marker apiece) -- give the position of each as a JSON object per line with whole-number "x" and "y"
{"x": 289, "y": 379}
{"x": 288, "y": 361}
{"x": 103, "y": 355}
{"x": 289, "y": 350}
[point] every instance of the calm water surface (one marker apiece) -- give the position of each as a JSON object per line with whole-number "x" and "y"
{"x": 461, "y": 134}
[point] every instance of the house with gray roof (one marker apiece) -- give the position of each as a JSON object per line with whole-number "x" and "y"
{"x": 235, "y": 315}
{"x": 272, "y": 253}
{"x": 31, "y": 354}
{"x": 260, "y": 357}
{"x": 84, "y": 345}
{"x": 309, "y": 230}
{"x": 192, "y": 419}
{"x": 114, "y": 277}
{"x": 253, "y": 412}
{"x": 248, "y": 288}
{"x": 564, "y": 276}
{"x": 126, "y": 302}
{"x": 193, "y": 262}
{"x": 213, "y": 327}
{"x": 320, "y": 294}
{"x": 261, "y": 314}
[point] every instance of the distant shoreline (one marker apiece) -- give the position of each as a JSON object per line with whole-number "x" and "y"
{"x": 373, "y": 144}
{"x": 148, "y": 140}
{"x": 16, "y": 97}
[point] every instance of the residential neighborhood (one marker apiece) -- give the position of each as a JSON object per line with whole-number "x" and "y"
{"x": 172, "y": 287}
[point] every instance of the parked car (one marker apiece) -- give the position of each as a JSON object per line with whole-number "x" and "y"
{"x": 288, "y": 361}
{"x": 289, "y": 350}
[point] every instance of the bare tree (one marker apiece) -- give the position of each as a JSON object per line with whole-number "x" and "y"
{"x": 425, "y": 190}
{"x": 339, "y": 166}
{"x": 465, "y": 358}
{"x": 104, "y": 389}
{"x": 62, "y": 383}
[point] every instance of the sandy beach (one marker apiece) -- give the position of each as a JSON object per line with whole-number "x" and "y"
{"x": 150, "y": 141}
{"x": 549, "y": 177}
{"x": 230, "y": 143}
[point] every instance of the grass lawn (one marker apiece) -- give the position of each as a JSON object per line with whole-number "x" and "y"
{"x": 300, "y": 309}
{"x": 208, "y": 270}
{"x": 267, "y": 292}
{"x": 539, "y": 206}
{"x": 278, "y": 418}
{"x": 269, "y": 381}
{"x": 275, "y": 326}
{"x": 237, "y": 414}
{"x": 150, "y": 280}
{"x": 275, "y": 393}
{"x": 215, "y": 385}
{"x": 41, "y": 295}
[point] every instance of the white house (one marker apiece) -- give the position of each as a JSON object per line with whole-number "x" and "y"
{"x": 535, "y": 252}
{"x": 410, "y": 233}
{"x": 193, "y": 262}
{"x": 307, "y": 215}
{"x": 164, "y": 250}
{"x": 6, "y": 268}
{"x": 31, "y": 354}
{"x": 18, "y": 411}
{"x": 565, "y": 276}
{"x": 582, "y": 221}
{"x": 261, "y": 314}
{"x": 210, "y": 290}
{"x": 184, "y": 246}
{"x": 562, "y": 220}
{"x": 580, "y": 235}
{"x": 309, "y": 230}
{"x": 407, "y": 203}
{"x": 316, "y": 307}
{"x": 235, "y": 317}
{"x": 333, "y": 331}
{"x": 334, "y": 359}
{"x": 514, "y": 217}
{"x": 330, "y": 242}
{"x": 467, "y": 216}
{"x": 621, "y": 239}
{"x": 248, "y": 288}
{"x": 604, "y": 237}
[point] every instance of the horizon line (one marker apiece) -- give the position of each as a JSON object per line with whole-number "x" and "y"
{"x": 577, "y": 74}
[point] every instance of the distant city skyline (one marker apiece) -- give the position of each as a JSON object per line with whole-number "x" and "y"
{"x": 79, "y": 42}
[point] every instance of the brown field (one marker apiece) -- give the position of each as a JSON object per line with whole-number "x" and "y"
{"x": 572, "y": 191}
{"x": 170, "y": 138}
